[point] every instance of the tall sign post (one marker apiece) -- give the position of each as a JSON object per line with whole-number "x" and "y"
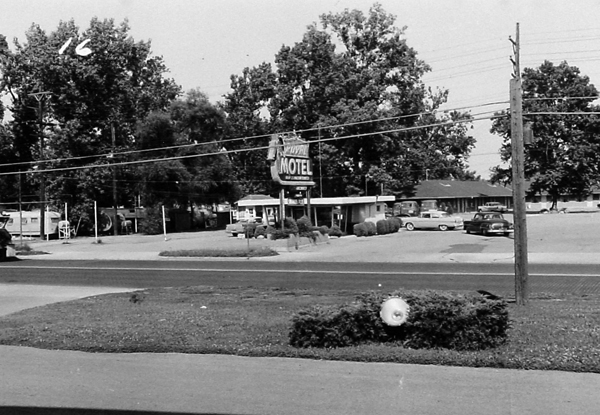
{"x": 518, "y": 180}
{"x": 291, "y": 167}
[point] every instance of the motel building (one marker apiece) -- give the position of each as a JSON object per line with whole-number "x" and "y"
{"x": 344, "y": 212}
{"x": 291, "y": 168}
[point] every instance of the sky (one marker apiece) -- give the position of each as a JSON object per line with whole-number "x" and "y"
{"x": 466, "y": 42}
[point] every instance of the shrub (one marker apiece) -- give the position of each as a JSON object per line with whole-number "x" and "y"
{"x": 323, "y": 230}
{"x": 360, "y": 229}
{"x": 304, "y": 225}
{"x": 153, "y": 223}
{"x": 278, "y": 234}
{"x": 331, "y": 326}
{"x": 335, "y": 231}
{"x": 5, "y": 238}
{"x": 371, "y": 228}
{"x": 306, "y": 229}
{"x": 395, "y": 224}
{"x": 290, "y": 228}
{"x": 260, "y": 231}
{"x": 382, "y": 227}
{"x": 435, "y": 320}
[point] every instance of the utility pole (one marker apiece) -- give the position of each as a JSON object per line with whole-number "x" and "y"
{"x": 39, "y": 96}
{"x": 114, "y": 180}
{"x": 518, "y": 179}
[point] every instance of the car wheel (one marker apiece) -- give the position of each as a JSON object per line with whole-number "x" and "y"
{"x": 410, "y": 226}
{"x": 468, "y": 231}
{"x": 443, "y": 227}
{"x": 506, "y": 234}
{"x": 484, "y": 232}
{"x": 234, "y": 234}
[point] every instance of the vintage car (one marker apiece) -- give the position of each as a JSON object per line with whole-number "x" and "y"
{"x": 239, "y": 227}
{"x": 433, "y": 219}
{"x": 492, "y": 207}
{"x": 489, "y": 223}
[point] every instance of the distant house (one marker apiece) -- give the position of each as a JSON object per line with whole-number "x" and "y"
{"x": 460, "y": 196}
{"x": 543, "y": 202}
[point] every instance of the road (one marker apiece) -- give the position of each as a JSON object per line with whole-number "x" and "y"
{"x": 497, "y": 278}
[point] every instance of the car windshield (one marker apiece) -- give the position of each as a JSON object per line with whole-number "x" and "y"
{"x": 488, "y": 217}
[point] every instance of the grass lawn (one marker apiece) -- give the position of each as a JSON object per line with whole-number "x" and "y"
{"x": 552, "y": 333}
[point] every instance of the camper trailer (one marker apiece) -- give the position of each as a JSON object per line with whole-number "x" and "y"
{"x": 28, "y": 223}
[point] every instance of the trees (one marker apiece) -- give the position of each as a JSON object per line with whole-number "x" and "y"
{"x": 91, "y": 103}
{"x": 247, "y": 126}
{"x": 200, "y": 126}
{"x": 564, "y": 155}
{"x": 355, "y": 84}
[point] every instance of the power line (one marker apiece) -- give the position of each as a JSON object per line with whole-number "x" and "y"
{"x": 221, "y": 142}
{"x": 136, "y": 162}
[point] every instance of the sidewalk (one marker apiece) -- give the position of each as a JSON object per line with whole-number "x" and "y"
{"x": 211, "y": 384}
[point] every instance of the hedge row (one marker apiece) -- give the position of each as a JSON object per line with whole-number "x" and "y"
{"x": 302, "y": 227}
{"x": 435, "y": 320}
{"x": 382, "y": 227}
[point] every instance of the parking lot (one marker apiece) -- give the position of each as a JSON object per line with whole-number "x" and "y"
{"x": 566, "y": 238}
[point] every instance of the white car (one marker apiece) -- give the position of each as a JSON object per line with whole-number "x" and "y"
{"x": 492, "y": 207}
{"x": 433, "y": 219}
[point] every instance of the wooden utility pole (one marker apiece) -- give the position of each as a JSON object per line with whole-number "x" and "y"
{"x": 114, "y": 181}
{"x": 518, "y": 180}
{"x": 39, "y": 96}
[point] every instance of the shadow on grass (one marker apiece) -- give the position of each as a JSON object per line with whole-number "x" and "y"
{"x": 221, "y": 253}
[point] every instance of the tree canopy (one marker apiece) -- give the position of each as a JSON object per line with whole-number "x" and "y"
{"x": 88, "y": 104}
{"x": 563, "y": 157}
{"x": 354, "y": 87}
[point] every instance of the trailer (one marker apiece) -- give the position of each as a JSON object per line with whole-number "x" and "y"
{"x": 27, "y": 223}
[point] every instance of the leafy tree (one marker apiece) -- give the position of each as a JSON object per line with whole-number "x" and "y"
{"x": 564, "y": 155}
{"x": 200, "y": 125}
{"x": 354, "y": 84}
{"x": 190, "y": 133}
{"x": 247, "y": 127}
{"x": 91, "y": 102}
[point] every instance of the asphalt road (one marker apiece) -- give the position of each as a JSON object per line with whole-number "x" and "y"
{"x": 497, "y": 278}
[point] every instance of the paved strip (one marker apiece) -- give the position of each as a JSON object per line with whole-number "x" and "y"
{"x": 17, "y": 297}
{"x": 309, "y": 271}
{"x": 242, "y": 385}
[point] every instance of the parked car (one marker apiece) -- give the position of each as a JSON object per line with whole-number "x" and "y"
{"x": 433, "y": 219}
{"x": 487, "y": 223}
{"x": 406, "y": 208}
{"x": 492, "y": 207}
{"x": 239, "y": 227}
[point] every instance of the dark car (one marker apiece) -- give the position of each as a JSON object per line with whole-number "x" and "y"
{"x": 489, "y": 223}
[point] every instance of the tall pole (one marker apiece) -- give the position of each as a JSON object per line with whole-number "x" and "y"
{"x": 39, "y": 96}
{"x": 114, "y": 182}
{"x": 518, "y": 180}
{"x": 20, "y": 210}
{"x": 320, "y": 165}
